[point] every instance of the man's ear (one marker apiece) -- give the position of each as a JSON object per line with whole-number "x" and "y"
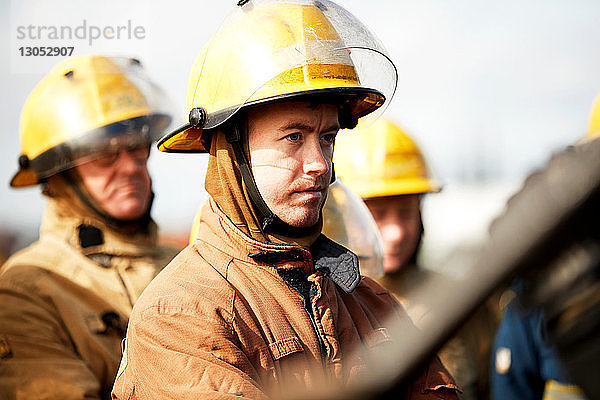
{"x": 345, "y": 117}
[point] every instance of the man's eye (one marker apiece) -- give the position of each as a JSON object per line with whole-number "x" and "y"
{"x": 329, "y": 138}
{"x": 294, "y": 137}
{"x": 107, "y": 160}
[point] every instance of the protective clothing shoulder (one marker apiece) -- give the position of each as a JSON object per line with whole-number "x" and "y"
{"x": 65, "y": 302}
{"x": 233, "y": 317}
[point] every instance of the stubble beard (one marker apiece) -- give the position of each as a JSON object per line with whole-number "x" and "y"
{"x": 302, "y": 215}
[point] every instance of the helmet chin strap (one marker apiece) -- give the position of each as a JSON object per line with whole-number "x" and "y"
{"x": 270, "y": 223}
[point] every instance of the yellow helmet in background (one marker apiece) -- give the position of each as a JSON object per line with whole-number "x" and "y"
{"x": 347, "y": 221}
{"x": 86, "y": 106}
{"x": 381, "y": 160}
{"x": 268, "y": 51}
{"x": 594, "y": 125}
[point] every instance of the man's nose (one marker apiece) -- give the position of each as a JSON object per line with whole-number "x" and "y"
{"x": 391, "y": 233}
{"x": 127, "y": 163}
{"x": 315, "y": 162}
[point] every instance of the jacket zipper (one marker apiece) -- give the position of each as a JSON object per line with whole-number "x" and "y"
{"x": 314, "y": 325}
{"x": 308, "y": 308}
{"x": 298, "y": 286}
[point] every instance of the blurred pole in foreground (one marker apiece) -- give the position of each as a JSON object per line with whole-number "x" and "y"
{"x": 548, "y": 235}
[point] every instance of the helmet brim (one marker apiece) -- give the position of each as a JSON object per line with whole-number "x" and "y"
{"x": 361, "y": 101}
{"x": 142, "y": 130}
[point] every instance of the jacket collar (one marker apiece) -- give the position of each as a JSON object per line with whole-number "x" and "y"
{"x": 334, "y": 260}
{"x": 339, "y": 263}
{"x": 70, "y": 221}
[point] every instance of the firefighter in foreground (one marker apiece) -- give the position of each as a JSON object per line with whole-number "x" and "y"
{"x": 389, "y": 172}
{"x": 525, "y": 363}
{"x": 262, "y": 305}
{"x": 86, "y": 131}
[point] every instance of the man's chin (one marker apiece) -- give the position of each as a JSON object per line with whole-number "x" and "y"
{"x": 129, "y": 210}
{"x": 301, "y": 220}
{"x": 392, "y": 265}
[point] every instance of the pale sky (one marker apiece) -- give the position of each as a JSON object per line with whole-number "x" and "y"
{"x": 488, "y": 89}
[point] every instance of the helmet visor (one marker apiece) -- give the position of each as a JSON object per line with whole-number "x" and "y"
{"x": 107, "y": 140}
{"x": 347, "y": 221}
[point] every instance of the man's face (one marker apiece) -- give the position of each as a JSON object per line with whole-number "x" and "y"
{"x": 399, "y": 221}
{"x": 120, "y": 183}
{"x": 291, "y": 148}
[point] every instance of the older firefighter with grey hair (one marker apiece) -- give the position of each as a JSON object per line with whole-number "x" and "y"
{"x": 86, "y": 131}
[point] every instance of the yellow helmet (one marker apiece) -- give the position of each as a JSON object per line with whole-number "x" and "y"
{"x": 269, "y": 51}
{"x": 85, "y": 106}
{"x": 594, "y": 126}
{"x": 381, "y": 160}
{"x": 347, "y": 221}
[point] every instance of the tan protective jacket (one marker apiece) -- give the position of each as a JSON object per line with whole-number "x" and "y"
{"x": 228, "y": 318}
{"x": 65, "y": 301}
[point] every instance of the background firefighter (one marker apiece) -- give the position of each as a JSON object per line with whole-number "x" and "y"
{"x": 86, "y": 131}
{"x": 388, "y": 170}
